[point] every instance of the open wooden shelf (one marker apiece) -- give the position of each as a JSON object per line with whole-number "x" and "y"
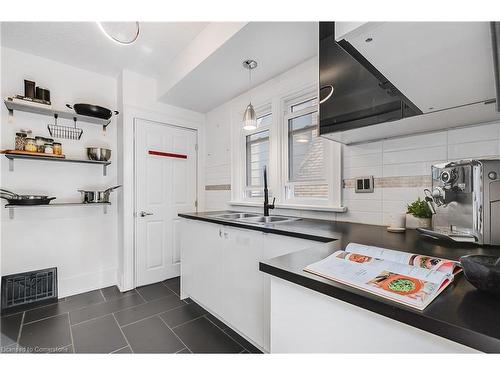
{"x": 12, "y": 157}
{"x": 16, "y": 106}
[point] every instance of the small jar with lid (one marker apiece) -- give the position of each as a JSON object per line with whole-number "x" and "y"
{"x": 48, "y": 149}
{"x": 20, "y": 141}
{"x": 57, "y": 147}
{"x": 40, "y": 144}
{"x": 30, "y": 145}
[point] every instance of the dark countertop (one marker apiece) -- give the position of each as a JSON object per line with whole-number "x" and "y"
{"x": 461, "y": 313}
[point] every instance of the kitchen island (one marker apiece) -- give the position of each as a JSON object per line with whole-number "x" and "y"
{"x": 461, "y": 319}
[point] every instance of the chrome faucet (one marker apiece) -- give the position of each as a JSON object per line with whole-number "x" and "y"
{"x": 267, "y": 206}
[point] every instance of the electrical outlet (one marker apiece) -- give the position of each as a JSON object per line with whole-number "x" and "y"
{"x": 364, "y": 184}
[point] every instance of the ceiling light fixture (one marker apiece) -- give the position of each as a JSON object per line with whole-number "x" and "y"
{"x": 249, "y": 117}
{"x": 131, "y": 40}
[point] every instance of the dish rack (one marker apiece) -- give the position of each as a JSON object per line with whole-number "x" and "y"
{"x": 65, "y": 132}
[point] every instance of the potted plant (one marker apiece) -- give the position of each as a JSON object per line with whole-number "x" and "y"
{"x": 418, "y": 215}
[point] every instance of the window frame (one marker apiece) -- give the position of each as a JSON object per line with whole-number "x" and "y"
{"x": 277, "y": 104}
{"x": 286, "y": 184}
{"x": 260, "y": 112}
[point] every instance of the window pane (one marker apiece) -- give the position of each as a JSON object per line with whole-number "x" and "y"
{"x": 264, "y": 121}
{"x": 303, "y": 105}
{"x": 257, "y": 148}
{"x": 305, "y": 159}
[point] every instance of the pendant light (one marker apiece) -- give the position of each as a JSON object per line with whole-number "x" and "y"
{"x": 249, "y": 117}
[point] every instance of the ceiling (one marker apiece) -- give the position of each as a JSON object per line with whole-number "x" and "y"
{"x": 82, "y": 44}
{"x": 276, "y": 46}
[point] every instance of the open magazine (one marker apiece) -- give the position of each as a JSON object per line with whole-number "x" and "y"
{"x": 411, "y": 279}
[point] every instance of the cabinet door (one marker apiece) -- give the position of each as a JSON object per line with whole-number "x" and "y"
{"x": 244, "y": 282}
{"x": 275, "y": 246}
{"x": 201, "y": 263}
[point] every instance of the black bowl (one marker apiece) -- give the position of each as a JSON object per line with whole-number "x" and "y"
{"x": 482, "y": 271}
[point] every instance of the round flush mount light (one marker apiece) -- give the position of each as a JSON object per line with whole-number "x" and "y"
{"x": 123, "y": 33}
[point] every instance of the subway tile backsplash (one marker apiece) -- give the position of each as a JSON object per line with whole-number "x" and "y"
{"x": 401, "y": 169}
{"x": 402, "y": 166}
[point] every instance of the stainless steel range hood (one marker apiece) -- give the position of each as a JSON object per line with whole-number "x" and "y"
{"x": 393, "y": 79}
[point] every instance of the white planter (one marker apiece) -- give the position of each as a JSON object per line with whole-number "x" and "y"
{"x": 413, "y": 222}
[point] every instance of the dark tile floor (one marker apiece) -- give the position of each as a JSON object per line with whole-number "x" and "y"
{"x": 149, "y": 319}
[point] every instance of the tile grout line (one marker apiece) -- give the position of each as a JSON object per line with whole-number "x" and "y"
{"x": 71, "y": 334}
{"x": 89, "y": 320}
{"x": 150, "y": 316}
{"x": 48, "y": 317}
{"x": 123, "y": 333}
{"x": 125, "y": 309}
{"x": 20, "y": 328}
{"x": 227, "y": 334}
{"x": 192, "y": 320}
{"x": 140, "y": 295}
{"x": 175, "y": 334}
{"x": 117, "y": 350}
{"x": 102, "y": 294}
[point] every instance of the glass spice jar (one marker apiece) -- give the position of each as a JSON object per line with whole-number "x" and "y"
{"x": 40, "y": 144}
{"x": 20, "y": 141}
{"x": 30, "y": 145}
{"x": 57, "y": 148}
{"x": 48, "y": 149}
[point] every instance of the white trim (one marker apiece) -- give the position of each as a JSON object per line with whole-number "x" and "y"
{"x": 126, "y": 175}
{"x": 303, "y": 207}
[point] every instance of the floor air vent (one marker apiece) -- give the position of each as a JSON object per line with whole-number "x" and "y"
{"x": 28, "y": 288}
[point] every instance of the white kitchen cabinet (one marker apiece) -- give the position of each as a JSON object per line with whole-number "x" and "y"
{"x": 201, "y": 264}
{"x": 244, "y": 282}
{"x": 275, "y": 246}
{"x": 220, "y": 270}
{"x": 305, "y": 321}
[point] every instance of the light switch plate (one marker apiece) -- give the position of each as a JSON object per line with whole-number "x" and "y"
{"x": 363, "y": 184}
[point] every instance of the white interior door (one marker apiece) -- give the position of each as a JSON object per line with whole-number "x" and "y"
{"x": 166, "y": 184}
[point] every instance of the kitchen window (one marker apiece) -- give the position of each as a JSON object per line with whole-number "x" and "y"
{"x": 306, "y": 179}
{"x": 257, "y": 156}
{"x": 304, "y": 170}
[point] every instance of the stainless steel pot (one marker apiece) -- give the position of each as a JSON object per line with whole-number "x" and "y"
{"x": 98, "y": 153}
{"x": 97, "y": 196}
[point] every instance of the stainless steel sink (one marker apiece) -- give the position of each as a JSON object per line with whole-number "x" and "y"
{"x": 236, "y": 216}
{"x": 268, "y": 219}
{"x": 252, "y": 218}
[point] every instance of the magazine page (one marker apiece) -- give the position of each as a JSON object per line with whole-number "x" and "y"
{"x": 413, "y": 286}
{"x": 421, "y": 261}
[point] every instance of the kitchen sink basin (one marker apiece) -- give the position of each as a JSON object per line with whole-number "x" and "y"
{"x": 251, "y": 218}
{"x": 236, "y": 216}
{"x": 268, "y": 219}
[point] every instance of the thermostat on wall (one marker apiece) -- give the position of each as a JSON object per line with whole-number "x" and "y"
{"x": 364, "y": 184}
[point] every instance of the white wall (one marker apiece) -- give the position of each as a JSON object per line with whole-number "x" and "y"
{"x": 409, "y": 157}
{"x": 80, "y": 241}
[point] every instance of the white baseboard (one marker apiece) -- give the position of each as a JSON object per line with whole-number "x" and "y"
{"x": 86, "y": 282}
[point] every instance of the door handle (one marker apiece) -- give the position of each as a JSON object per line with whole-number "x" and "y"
{"x": 144, "y": 213}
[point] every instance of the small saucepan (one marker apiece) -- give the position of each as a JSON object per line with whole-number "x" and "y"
{"x": 24, "y": 200}
{"x": 97, "y": 196}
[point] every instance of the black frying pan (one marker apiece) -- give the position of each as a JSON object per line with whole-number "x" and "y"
{"x": 92, "y": 110}
{"x": 24, "y": 200}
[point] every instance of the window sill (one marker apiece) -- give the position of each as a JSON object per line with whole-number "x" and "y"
{"x": 302, "y": 207}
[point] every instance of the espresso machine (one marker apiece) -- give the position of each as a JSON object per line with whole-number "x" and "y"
{"x": 465, "y": 201}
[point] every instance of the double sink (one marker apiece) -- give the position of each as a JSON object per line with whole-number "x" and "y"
{"x": 250, "y": 218}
